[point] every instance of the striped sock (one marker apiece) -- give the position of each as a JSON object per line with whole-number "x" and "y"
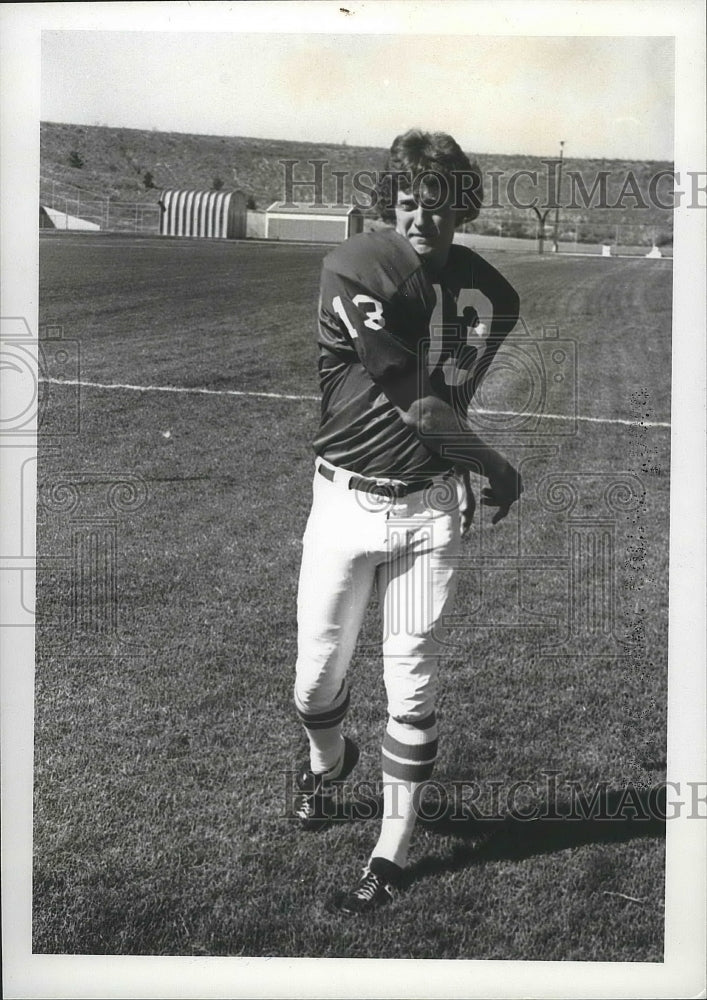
{"x": 409, "y": 752}
{"x": 323, "y": 728}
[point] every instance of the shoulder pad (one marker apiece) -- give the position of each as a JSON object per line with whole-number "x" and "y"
{"x": 379, "y": 261}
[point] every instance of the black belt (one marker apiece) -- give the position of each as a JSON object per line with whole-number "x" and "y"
{"x": 391, "y": 491}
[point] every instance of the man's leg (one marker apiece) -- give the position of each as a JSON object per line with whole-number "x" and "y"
{"x": 416, "y": 589}
{"x": 336, "y": 580}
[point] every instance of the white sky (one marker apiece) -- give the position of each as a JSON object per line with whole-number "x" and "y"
{"x": 605, "y": 96}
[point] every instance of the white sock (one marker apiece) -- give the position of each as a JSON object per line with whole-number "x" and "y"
{"x": 326, "y": 751}
{"x": 324, "y": 732}
{"x": 409, "y": 752}
{"x": 398, "y": 820}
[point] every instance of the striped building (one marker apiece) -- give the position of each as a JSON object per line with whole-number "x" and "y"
{"x": 209, "y": 214}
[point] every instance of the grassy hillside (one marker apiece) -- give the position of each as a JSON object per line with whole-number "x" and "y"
{"x": 96, "y": 163}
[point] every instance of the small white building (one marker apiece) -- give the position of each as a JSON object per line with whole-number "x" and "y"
{"x": 312, "y": 223}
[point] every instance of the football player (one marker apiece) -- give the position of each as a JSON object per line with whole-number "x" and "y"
{"x": 398, "y": 366}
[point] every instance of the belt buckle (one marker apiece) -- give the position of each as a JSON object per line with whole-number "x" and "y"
{"x": 386, "y": 491}
{"x": 394, "y": 490}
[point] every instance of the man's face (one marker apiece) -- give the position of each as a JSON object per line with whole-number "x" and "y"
{"x": 427, "y": 224}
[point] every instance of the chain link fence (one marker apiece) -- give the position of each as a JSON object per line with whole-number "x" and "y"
{"x": 110, "y": 216}
{"x": 518, "y": 230}
{"x": 577, "y": 234}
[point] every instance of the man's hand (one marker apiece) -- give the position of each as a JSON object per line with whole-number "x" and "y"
{"x": 468, "y": 505}
{"x": 438, "y": 426}
{"x": 503, "y": 490}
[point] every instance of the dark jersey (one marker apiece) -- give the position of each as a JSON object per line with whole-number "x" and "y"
{"x": 383, "y": 319}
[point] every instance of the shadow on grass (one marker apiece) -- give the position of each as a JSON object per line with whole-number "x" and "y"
{"x": 611, "y": 816}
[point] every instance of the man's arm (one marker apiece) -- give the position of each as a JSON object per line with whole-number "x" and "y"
{"x": 445, "y": 431}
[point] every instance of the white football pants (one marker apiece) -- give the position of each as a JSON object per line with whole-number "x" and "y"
{"x": 408, "y": 548}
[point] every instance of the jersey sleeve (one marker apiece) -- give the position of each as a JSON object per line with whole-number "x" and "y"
{"x": 375, "y": 326}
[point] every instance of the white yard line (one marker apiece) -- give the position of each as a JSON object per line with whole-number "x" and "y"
{"x": 196, "y": 391}
{"x": 189, "y": 390}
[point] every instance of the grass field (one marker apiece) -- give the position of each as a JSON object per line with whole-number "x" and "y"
{"x": 162, "y": 737}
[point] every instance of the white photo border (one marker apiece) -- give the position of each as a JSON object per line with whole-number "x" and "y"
{"x": 682, "y": 973}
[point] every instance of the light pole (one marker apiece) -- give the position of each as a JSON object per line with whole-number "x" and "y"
{"x": 555, "y": 246}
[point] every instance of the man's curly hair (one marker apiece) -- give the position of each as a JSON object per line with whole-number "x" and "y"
{"x": 415, "y": 158}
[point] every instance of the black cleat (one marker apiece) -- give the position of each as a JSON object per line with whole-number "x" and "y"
{"x": 376, "y": 888}
{"x": 316, "y": 799}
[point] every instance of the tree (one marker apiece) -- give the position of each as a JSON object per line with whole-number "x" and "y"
{"x": 217, "y": 184}
{"x": 251, "y": 203}
{"x": 75, "y": 159}
{"x": 542, "y": 216}
{"x": 148, "y": 180}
